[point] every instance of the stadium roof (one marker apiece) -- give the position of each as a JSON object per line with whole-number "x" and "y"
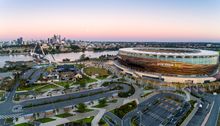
{"x": 171, "y": 51}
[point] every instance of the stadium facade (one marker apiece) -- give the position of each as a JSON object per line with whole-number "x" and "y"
{"x": 171, "y": 62}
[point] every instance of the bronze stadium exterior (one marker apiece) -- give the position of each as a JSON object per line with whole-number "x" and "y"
{"x": 170, "y": 61}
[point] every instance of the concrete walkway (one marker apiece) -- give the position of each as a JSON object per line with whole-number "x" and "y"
{"x": 187, "y": 95}
{"x": 97, "y": 118}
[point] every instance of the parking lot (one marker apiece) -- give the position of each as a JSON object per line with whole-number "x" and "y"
{"x": 161, "y": 111}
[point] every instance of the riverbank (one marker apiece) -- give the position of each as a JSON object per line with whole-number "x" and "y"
{"x": 56, "y": 57}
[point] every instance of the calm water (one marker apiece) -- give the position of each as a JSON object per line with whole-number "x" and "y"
{"x": 58, "y": 57}
{"x": 14, "y": 58}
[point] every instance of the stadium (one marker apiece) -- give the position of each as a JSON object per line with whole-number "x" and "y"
{"x": 170, "y": 62}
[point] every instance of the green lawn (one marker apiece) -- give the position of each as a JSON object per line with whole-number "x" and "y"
{"x": 100, "y": 105}
{"x": 24, "y": 124}
{"x": 102, "y": 123}
{"x": 30, "y": 87}
{"x": 1, "y": 96}
{"x": 84, "y": 80}
{"x": 64, "y": 115}
{"x": 79, "y": 66}
{"x": 45, "y": 120}
{"x": 46, "y": 87}
{"x": 101, "y": 72}
{"x": 85, "y": 120}
{"x": 63, "y": 83}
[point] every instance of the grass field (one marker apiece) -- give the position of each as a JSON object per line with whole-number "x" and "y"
{"x": 84, "y": 80}
{"x": 63, "y": 83}
{"x": 37, "y": 87}
{"x": 45, "y": 120}
{"x": 30, "y": 87}
{"x": 46, "y": 87}
{"x": 100, "y": 72}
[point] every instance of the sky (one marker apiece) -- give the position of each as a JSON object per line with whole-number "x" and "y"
{"x": 111, "y": 20}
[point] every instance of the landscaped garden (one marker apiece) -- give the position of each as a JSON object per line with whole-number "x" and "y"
{"x": 124, "y": 109}
{"x": 102, "y": 123}
{"x": 99, "y": 73}
{"x": 84, "y": 80}
{"x": 81, "y": 108}
{"x": 102, "y": 103}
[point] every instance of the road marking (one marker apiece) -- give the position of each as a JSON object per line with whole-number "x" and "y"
{"x": 10, "y": 116}
{"x": 216, "y": 121}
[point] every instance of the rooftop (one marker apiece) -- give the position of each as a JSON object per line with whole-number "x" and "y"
{"x": 171, "y": 51}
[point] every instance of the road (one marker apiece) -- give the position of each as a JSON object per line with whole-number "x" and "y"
{"x": 212, "y": 121}
{"x": 9, "y": 104}
{"x": 207, "y": 100}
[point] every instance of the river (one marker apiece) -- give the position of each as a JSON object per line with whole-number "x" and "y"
{"x": 58, "y": 57}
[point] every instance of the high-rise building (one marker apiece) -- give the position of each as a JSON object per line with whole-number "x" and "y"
{"x": 20, "y": 41}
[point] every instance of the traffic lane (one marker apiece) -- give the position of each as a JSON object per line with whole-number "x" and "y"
{"x": 43, "y": 108}
{"x": 76, "y": 94}
{"x": 215, "y": 112}
{"x": 199, "y": 116}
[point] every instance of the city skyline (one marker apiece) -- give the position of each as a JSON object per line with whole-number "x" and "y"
{"x": 111, "y": 20}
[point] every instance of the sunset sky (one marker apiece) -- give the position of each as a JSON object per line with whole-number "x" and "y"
{"x": 129, "y": 20}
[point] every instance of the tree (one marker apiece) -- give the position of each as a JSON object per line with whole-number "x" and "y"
{"x": 81, "y": 107}
{"x": 82, "y": 57}
{"x": 102, "y": 102}
{"x": 67, "y": 86}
